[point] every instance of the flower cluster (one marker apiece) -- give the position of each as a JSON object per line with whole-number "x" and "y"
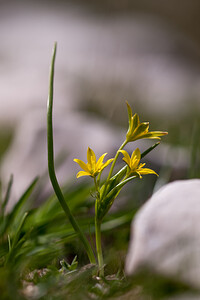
{"x": 136, "y": 131}
{"x": 107, "y": 192}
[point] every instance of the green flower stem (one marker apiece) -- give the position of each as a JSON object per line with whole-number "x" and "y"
{"x": 115, "y": 159}
{"x": 98, "y": 242}
{"x": 51, "y": 168}
{"x": 96, "y": 184}
{"x": 98, "y": 232}
{"x": 97, "y": 221}
{"x": 112, "y": 167}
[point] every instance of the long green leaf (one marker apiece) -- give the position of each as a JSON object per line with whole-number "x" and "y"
{"x": 7, "y": 196}
{"x": 51, "y": 168}
{"x": 19, "y": 208}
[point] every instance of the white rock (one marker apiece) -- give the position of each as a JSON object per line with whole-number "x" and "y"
{"x": 184, "y": 296}
{"x": 165, "y": 234}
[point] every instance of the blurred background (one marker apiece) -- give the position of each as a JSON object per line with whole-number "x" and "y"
{"x": 144, "y": 51}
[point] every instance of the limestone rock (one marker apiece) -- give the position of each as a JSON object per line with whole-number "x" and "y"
{"x": 165, "y": 234}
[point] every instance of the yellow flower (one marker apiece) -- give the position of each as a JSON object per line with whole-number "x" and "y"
{"x": 93, "y": 167}
{"x": 138, "y": 130}
{"x": 133, "y": 163}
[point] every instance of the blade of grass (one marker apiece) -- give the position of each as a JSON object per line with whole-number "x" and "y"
{"x": 19, "y": 208}
{"x": 149, "y": 149}
{"x": 7, "y": 196}
{"x": 51, "y": 167}
{"x": 16, "y": 239}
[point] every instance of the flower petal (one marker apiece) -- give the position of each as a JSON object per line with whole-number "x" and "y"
{"x": 140, "y": 130}
{"x": 129, "y": 112}
{"x": 107, "y": 163}
{"x": 81, "y": 163}
{"x": 135, "y": 159}
{"x": 136, "y": 153}
{"x": 126, "y": 158}
{"x": 82, "y": 173}
{"x": 91, "y": 158}
{"x": 100, "y": 161}
{"x": 146, "y": 171}
{"x": 135, "y": 121}
{"x": 154, "y": 134}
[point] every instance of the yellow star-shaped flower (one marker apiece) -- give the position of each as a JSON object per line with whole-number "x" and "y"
{"x": 93, "y": 167}
{"x": 138, "y": 130}
{"x": 133, "y": 163}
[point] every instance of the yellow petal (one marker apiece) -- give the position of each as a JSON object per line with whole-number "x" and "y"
{"x": 81, "y": 163}
{"x": 100, "y": 161}
{"x": 136, "y": 153}
{"x": 82, "y": 173}
{"x": 129, "y": 112}
{"x": 107, "y": 163}
{"x": 154, "y": 134}
{"x": 126, "y": 157}
{"x": 136, "y": 121}
{"x": 135, "y": 159}
{"x": 91, "y": 158}
{"x": 146, "y": 171}
{"x": 141, "y": 129}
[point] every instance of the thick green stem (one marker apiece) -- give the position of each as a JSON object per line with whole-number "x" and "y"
{"x": 51, "y": 167}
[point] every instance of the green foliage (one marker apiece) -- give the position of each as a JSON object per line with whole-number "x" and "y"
{"x": 36, "y": 245}
{"x": 6, "y": 135}
{"x": 42, "y": 253}
{"x": 69, "y": 267}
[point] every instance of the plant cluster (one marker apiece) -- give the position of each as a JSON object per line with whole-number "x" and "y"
{"x": 107, "y": 191}
{"x": 35, "y": 242}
